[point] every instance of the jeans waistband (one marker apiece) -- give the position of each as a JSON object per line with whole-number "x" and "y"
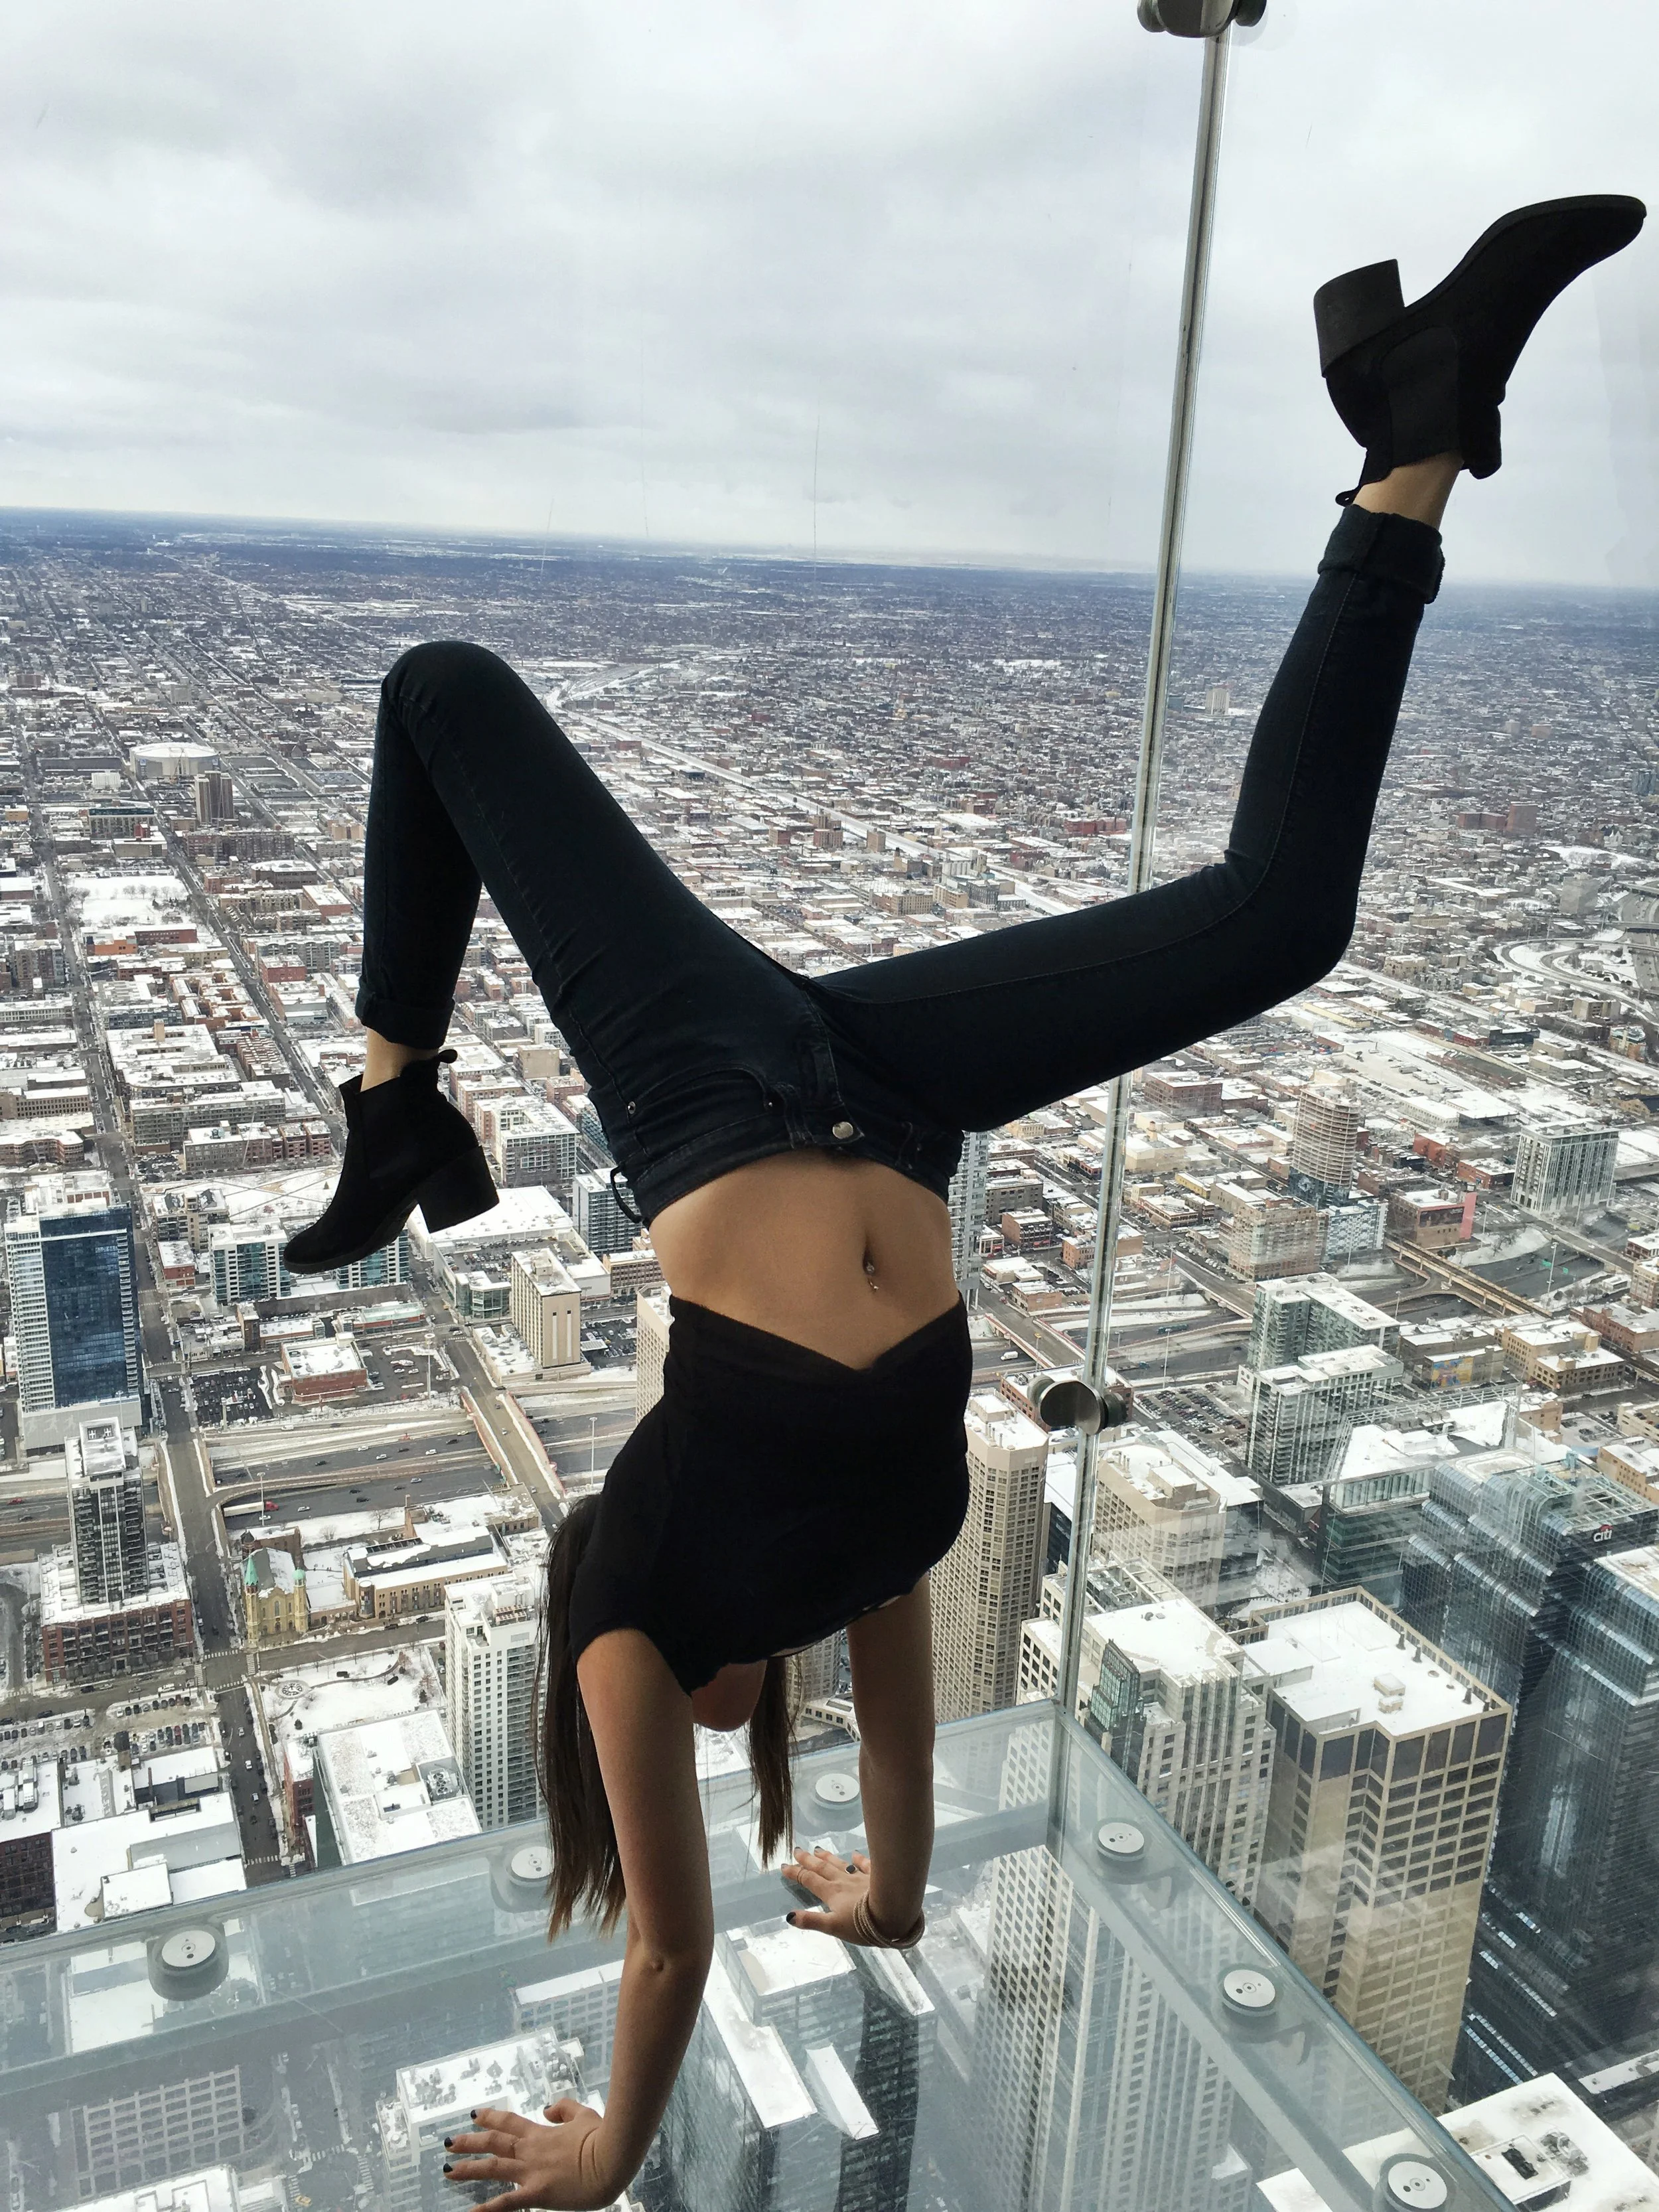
{"x": 926, "y": 1156}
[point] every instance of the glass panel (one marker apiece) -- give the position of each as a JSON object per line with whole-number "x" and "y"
{"x": 1088, "y": 2018}
{"x": 1431, "y": 1271}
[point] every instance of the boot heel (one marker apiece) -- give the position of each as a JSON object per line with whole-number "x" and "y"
{"x": 1352, "y": 308}
{"x": 457, "y": 1192}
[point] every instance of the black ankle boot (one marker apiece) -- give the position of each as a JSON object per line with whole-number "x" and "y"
{"x": 1413, "y": 382}
{"x": 406, "y": 1146}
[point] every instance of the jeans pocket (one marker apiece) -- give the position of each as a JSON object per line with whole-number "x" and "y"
{"x": 667, "y": 1116}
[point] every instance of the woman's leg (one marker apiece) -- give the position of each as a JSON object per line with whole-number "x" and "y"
{"x": 980, "y": 1032}
{"x": 474, "y": 782}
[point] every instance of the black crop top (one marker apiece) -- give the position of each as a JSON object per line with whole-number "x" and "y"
{"x": 773, "y": 1494}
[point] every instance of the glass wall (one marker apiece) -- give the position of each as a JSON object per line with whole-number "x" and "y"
{"x": 1089, "y": 2018}
{"x": 1437, "y": 1254}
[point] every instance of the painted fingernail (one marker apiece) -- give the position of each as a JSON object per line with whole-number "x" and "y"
{"x": 448, "y": 2168}
{"x": 790, "y": 1918}
{"x": 473, "y": 2115}
{"x": 449, "y": 2142}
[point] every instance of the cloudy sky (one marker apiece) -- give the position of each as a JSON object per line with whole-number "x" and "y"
{"x": 904, "y": 273}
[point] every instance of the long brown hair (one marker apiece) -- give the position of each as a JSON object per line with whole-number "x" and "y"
{"x": 587, "y": 1876}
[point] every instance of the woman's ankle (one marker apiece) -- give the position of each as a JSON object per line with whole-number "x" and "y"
{"x": 384, "y": 1061}
{"x": 1420, "y": 490}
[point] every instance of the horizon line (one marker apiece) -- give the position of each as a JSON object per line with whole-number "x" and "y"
{"x": 537, "y": 543}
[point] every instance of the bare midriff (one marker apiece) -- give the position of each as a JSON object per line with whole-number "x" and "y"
{"x": 843, "y": 1255}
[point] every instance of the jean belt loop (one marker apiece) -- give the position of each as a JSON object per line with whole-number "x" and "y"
{"x": 618, "y": 1185}
{"x": 795, "y": 1115}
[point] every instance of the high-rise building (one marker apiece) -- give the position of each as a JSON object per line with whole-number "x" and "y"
{"x": 75, "y": 1309}
{"x": 1303, "y": 1415}
{"x": 1313, "y": 1313}
{"x": 166, "y": 2128}
{"x": 1565, "y": 1171}
{"x": 596, "y": 1211}
{"x": 546, "y": 1308}
{"x": 986, "y": 1586}
{"x": 216, "y": 797}
{"x": 1537, "y": 2143}
{"x": 247, "y": 1261}
{"x": 1549, "y": 1584}
{"x": 490, "y": 1679}
{"x": 107, "y": 1512}
{"x": 387, "y": 1786}
{"x": 1355, "y": 1224}
{"x": 651, "y": 1325}
{"x": 1324, "y": 1144}
{"x": 210, "y": 2189}
{"x": 1286, "y": 1239}
{"x": 1380, "y": 1819}
{"x": 1177, "y": 1704}
{"x": 529, "y": 1142}
{"x": 1087, "y": 2089}
{"x": 767, "y": 2111}
{"x": 1164, "y": 1502}
{"x": 967, "y": 1202}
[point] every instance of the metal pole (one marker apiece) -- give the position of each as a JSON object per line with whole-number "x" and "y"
{"x": 1200, "y": 223}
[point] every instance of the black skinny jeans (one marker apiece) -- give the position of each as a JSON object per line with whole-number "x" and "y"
{"x": 701, "y": 1051}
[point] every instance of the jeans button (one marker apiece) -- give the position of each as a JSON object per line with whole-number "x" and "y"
{"x": 843, "y": 1131}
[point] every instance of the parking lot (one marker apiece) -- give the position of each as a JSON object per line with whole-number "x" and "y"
{"x": 229, "y": 1395}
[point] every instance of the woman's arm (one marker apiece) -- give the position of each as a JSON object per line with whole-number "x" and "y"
{"x": 892, "y": 1654}
{"x": 641, "y": 1724}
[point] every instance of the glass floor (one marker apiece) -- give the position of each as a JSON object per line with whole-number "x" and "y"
{"x": 1089, "y": 2020}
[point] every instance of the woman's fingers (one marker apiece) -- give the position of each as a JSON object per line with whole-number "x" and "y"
{"x": 477, "y": 2141}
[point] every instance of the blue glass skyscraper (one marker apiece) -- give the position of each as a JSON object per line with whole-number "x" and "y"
{"x": 1547, "y": 1587}
{"x": 75, "y": 1308}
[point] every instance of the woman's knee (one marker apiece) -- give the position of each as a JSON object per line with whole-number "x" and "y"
{"x": 427, "y": 672}
{"x": 1315, "y": 940}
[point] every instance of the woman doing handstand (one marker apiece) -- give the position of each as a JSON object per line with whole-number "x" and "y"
{"x": 790, "y": 1140}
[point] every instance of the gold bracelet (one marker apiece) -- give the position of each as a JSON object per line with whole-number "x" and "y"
{"x": 865, "y": 1923}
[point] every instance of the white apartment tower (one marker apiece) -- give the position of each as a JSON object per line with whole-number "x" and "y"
{"x": 1179, "y": 1706}
{"x": 545, "y": 1308}
{"x": 1379, "y": 1822}
{"x": 651, "y": 1325}
{"x": 490, "y": 1653}
{"x": 1566, "y": 1170}
{"x": 986, "y": 1586}
{"x": 1163, "y": 1501}
{"x": 967, "y": 1202}
{"x": 1303, "y": 1415}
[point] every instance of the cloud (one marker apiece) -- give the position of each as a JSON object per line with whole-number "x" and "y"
{"x": 389, "y": 263}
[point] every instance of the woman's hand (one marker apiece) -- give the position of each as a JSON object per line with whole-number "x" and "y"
{"x": 559, "y": 2165}
{"x": 836, "y": 1884}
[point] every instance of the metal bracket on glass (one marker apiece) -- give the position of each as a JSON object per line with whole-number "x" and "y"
{"x": 188, "y": 1962}
{"x": 1200, "y": 19}
{"x": 1067, "y": 1402}
{"x": 1412, "y": 2182}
